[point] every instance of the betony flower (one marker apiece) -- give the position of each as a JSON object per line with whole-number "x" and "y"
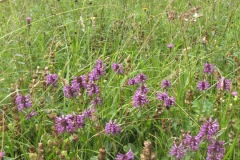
{"x": 208, "y": 68}
{"x": 170, "y": 45}
{"x": 178, "y": 151}
{"x": 117, "y": 68}
{"x": 96, "y": 101}
{"x": 140, "y": 78}
{"x": 112, "y": 128}
{"x": 208, "y": 129}
{"x": 215, "y": 150}
{"x": 65, "y": 123}
{"x": 71, "y": 91}
{"x": 23, "y": 101}
{"x": 52, "y": 79}
{"x": 98, "y": 70}
{"x": 166, "y": 84}
{"x": 224, "y": 84}
{"x": 203, "y": 85}
{"x": 128, "y": 156}
{"x": 132, "y": 82}
{"x": 89, "y": 111}
{"x": 192, "y": 142}
{"x": 92, "y": 88}
{"x": 143, "y": 89}
{"x": 169, "y": 101}
{"x": 162, "y": 96}
{"x": 80, "y": 120}
{"x": 81, "y": 81}
{"x": 31, "y": 114}
{"x": 139, "y": 99}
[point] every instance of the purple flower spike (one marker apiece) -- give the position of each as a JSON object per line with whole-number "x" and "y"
{"x": 52, "y": 79}
{"x": 162, "y": 96}
{"x": 80, "y": 120}
{"x": 170, "y": 45}
{"x": 203, "y": 85}
{"x": 132, "y": 82}
{"x": 65, "y": 123}
{"x": 128, "y": 156}
{"x": 92, "y": 88}
{"x": 208, "y": 129}
{"x": 23, "y": 101}
{"x": 139, "y": 99}
{"x": 208, "y": 68}
{"x": 81, "y": 81}
{"x": 166, "y": 84}
{"x": 32, "y": 114}
{"x": 177, "y": 151}
{"x": 216, "y": 150}
{"x": 112, "y": 128}
{"x": 143, "y": 89}
{"x": 140, "y": 78}
{"x": 234, "y": 93}
{"x": 71, "y": 91}
{"x": 192, "y": 142}
{"x": 224, "y": 84}
{"x": 169, "y": 101}
{"x": 96, "y": 101}
{"x": 98, "y": 70}
{"x": 117, "y": 68}
{"x": 88, "y": 112}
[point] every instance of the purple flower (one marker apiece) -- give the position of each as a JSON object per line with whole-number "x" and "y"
{"x": 143, "y": 89}
{"x": 208, "y": 68}
{"x": 98, "y": 70}
{"x": 132, "y": 82}
{"x": 203, "y": 85}
{"x": 117, "y": 68}
{"x": 128, "y": 156}
{"x": 192, "y": 142}
{"x": 139, "y": 99}
{"x": 162, "y": 96}
{"x": 166, "y": 84}
{"x": 32, "y": 114}
{"x": 81, "y": 81}
{"x": 23, "y": 101}
{"x": 112, "y": 128}
{"x": 88, "y": 112}
{"x": 96, "y": 101}
{"x": 178, "y": 151}
{"x": 234, "y": 93}
{"x": 208, "y": 129}
{"x": 170, "y": 45}
{"x": 224, "y": 84}
{"x": 1, "y": 154}
{"x": 71, "y": 91}
{"x": 92, "y": 88}
{"x": 29, "y": 20}
{"x": 216, "y": 150}
{"x": 52, "y": 79}
{"x": 65, "y": 123}
{"x": 80, "y": 120}
{"x": 140, "y": 78}
{"x": 169, "y": 101}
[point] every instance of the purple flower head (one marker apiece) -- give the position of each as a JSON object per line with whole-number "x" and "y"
{"x": 166, "y": 84}
{"x": 203, "y": 85}
{"x": 224, "y": 84}
{"x": 98, "y": 70}
{"x": 117, "y": 68}
{"x": 65, "y": 123}
{"x": 169, "y": 101}
{"x": 52, "y": 79}
{"x": 1, "y": 154}
{"x": 208, "y": 129}
{"x": 162, "y": 96}
{"x": 234, "y": 93}
{"x": 88, "y": 112}
{"x": 208, "y": 68}
{"x": 32, "y": 114}
{"x": 143, "y": 89}
{"x": 170, "y": 45}
{"x": 140, "y": 78}
{"x": 71, "y": 91}
{"x": 96, "y": 101}
{"x": 80, "y": 120}
{"x": 81, "y": 81}
{"x": 128, "y": 156}
{"x": 29, "y": 20}
{"x": 177, "y": 151}
{"x": 216, "y": 150}
{"x": 139, "y": 99}
{"x": 23, "y": 101}
{"x": 132, "y": 82}
{"x": 192, "y": 142}
{"x": 92, "y": 88}
{"x": 112, "y": 128}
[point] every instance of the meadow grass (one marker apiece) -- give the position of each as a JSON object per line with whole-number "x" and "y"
{"x": 67, "y": 37}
